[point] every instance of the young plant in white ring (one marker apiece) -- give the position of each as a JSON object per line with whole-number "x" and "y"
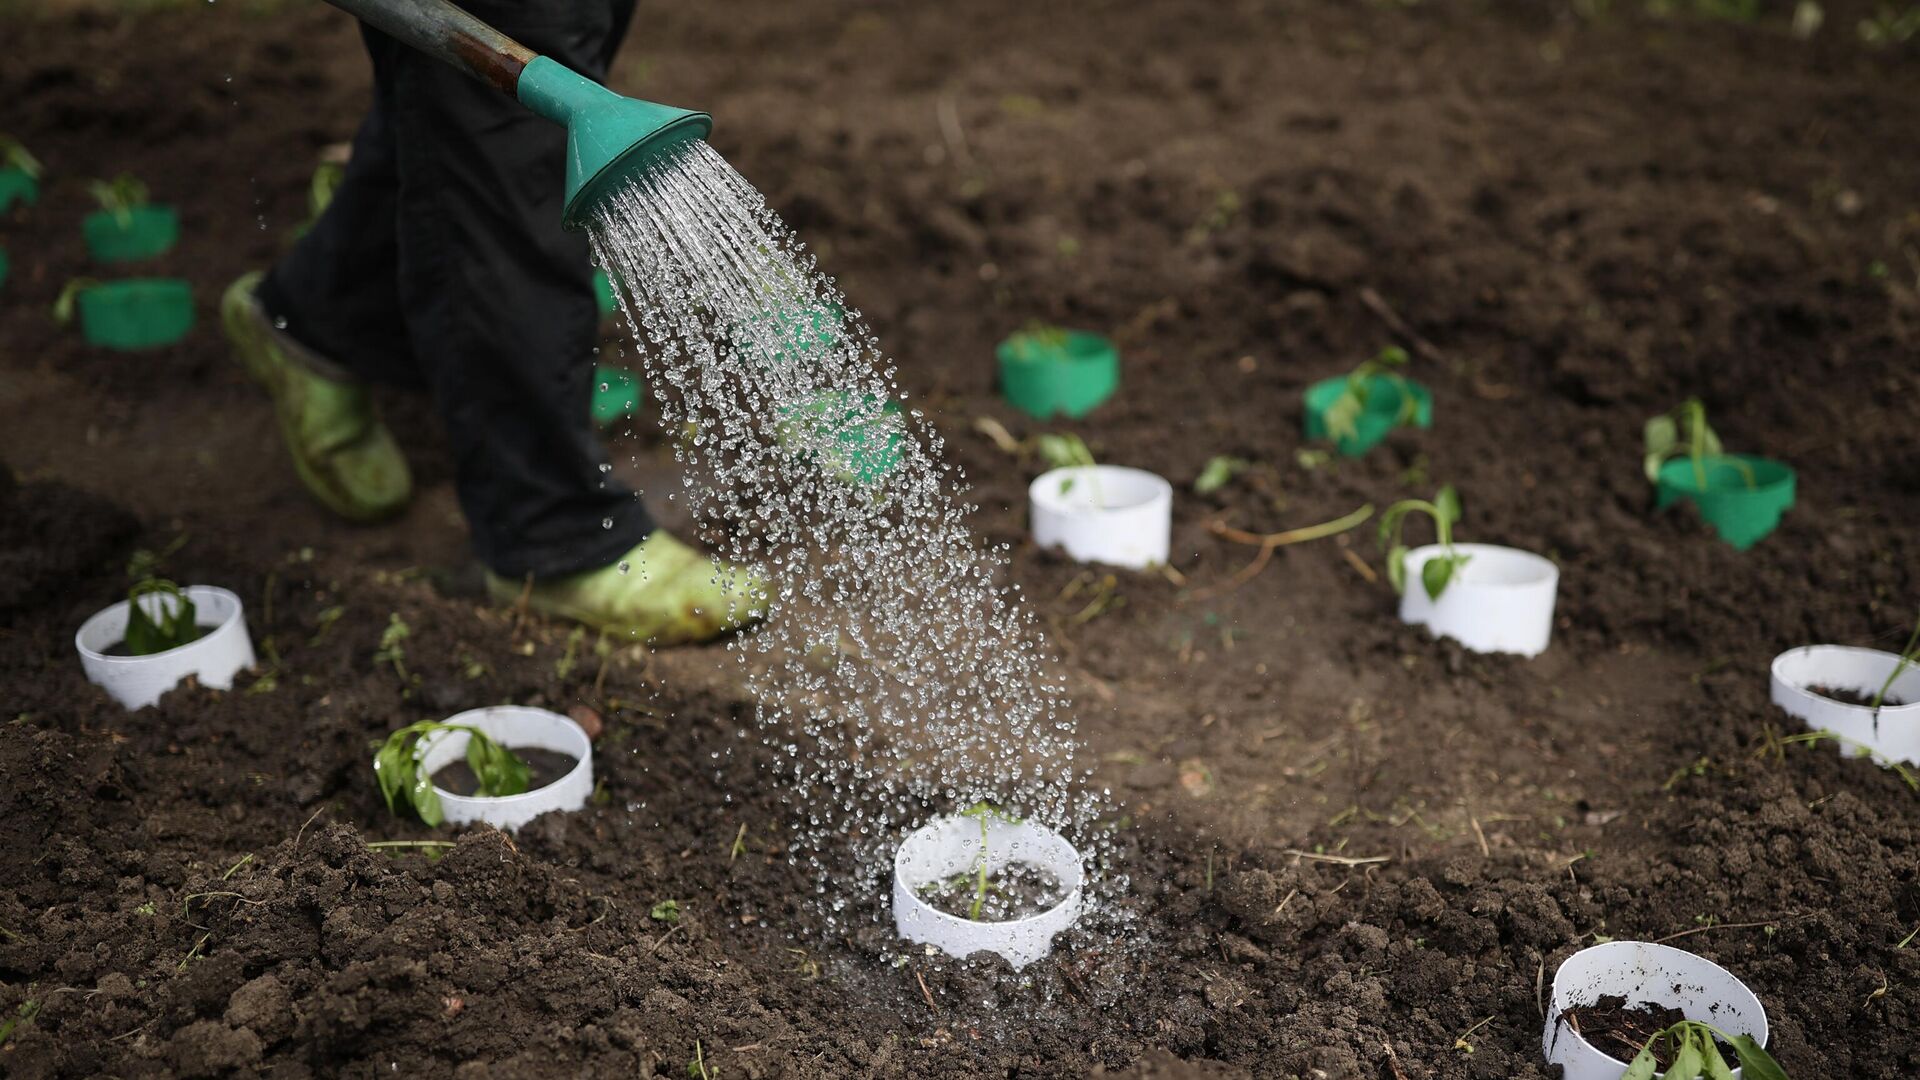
{"x": 1488, "y": 598}
{"x": 967, "y": 852}
{"x": 486, "y": 740}
{"x": 1886, "y": 727}
{"x": 1718, "y": 1008}
{"x": 1099, "y": 513}
{"x": 143, "y": 646}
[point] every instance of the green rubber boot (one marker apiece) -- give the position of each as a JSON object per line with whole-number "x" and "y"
{"x": 343, "y": 453}
{"x": 662, "y": 592}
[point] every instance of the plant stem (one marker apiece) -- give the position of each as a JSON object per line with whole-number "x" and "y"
{"x": 1906, "y": 657}
{"x": 980, "y": 882}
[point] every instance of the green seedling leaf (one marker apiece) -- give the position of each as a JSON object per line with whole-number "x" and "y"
{"x": 1218, "y": 472}
{"x": 1660, "y": 438}
{"x": 1439, "y": 571}
{"x": 666, "y": 911}
{"x": 1687, "y": 1062}
{"x": 1039, "y": 341}
{"x": 425, "y": 800}
{"x": 1643, "y": 1064}
{"x": 1397, "y": 567}
{"x": 1446, "y": 504}
{"x": 69, "y": 298}
{"x": 1716, "y": 1066}
{"x": 1343, "y": 415}
{"x": 1755, "y": 1062}
{"x": 390, "y": 767}
{"x": 14, "y": 155}
{"x": 119, "y": 196}
{"x": 176, "y": 624}
{"x": 1063, "y": 451}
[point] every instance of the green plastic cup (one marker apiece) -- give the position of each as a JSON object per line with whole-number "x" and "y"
{"x": 1385, "y": 405}
{"x": 1741, "y": 512}
{"x": 617, "y": 394}
{"x": 17, "y": 186}
{"x": 146, "y": 232}
{"x": 1072, "y": 378}
{"x": 866, "y": 445}
{"x": 138, "y": 313}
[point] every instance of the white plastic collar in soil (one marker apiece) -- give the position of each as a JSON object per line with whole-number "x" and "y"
{"x": 138, "y": 681}
{"x": 951, "y": 845}
{"x": 1643, "y": 973}
{"x": 1895, "y": 734}
{"x": 1107, "y": 514}
{"x": 516, "y": 727}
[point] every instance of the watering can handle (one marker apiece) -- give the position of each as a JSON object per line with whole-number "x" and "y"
{"x": 445, "y": 32}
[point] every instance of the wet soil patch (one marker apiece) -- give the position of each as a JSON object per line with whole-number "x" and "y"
{"x": 1019, "y": 890}
{"x": 543, "y": 768}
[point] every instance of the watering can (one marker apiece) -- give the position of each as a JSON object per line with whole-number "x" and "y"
{"x": 610, "y": 138}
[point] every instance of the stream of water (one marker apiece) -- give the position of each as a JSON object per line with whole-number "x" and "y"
{"x": 896, "y": 672}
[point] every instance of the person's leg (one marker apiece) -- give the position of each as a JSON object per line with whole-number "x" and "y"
{"x": 337, "y": 293}
{"x": 326, "y": 318}
{"x": 498, "y": 300}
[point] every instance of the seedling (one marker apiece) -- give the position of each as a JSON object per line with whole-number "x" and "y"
{"x": 983, "y": 812}
{"x": 175, "y": 625}
{"x": 391, "y": 650}
{"x": 666, "y": 911}
{"x": 69, "y": 298}
{"x": 1038, "y": 340}
{"x": 1685, "y": 431}
{"x": 120, "y": 196}
{"x": 1695, "y": 1055}
{"x": 397, "y": 765}
{"x": 1439, "y": 570}
{"x": 697, "y": 1068}
{"x": 1908, "y": 655}
{"x": 15, "y": 156}
{"x": 1343, "y": 416}
{"x": 1218, "y": 472}
{"x": 1068, "y": 452}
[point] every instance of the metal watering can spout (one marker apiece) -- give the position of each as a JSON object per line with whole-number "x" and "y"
{"x": 610, "y": 138}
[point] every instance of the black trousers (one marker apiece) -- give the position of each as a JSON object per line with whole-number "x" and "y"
{"x": 441, "y": 263}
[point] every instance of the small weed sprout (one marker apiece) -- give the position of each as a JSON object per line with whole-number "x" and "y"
{"x": 1343, "y": 416}
{"x": 392, "y": 650}
{"x": 14, "y": 155}
{"x": 1908, "y": 656}
{"x": 1439, "y": 570}
{"x": 1685, "y": 431}
{"x": 1218, "y": 472}
{"x": 1696, "y": 1056}
{"x": 1889, "y": 25}
{"x": 666, "y": 911}
{"x": 397, "y": 766}
{"x": 69, "y": 298}
{"x": 120, "y": 196}
{"x": 697, "y": 1068}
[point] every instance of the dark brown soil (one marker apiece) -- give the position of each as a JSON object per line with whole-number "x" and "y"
{"x": 1854, "y": 697}
{"x": 543, "y": 768}
{"x": 1016, "y": 892}
{"x": 1347, "y": 843}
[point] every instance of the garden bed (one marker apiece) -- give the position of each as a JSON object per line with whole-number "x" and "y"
{"x": 1353, "y": 850}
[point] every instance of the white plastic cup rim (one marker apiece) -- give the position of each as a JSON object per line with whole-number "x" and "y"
{"x": 516, "y": 727}
{"x": 1501, "y": 600}
{"x": 1108, "y": 514}
{"x": 928, "y": 855}
{"x": 1896, "y": 734}
{"x": 137, "y": 681}
{"x": 1643, "y": 972}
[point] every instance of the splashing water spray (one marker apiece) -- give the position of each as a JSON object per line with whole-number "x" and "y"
{"x": 898, "y": 678}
